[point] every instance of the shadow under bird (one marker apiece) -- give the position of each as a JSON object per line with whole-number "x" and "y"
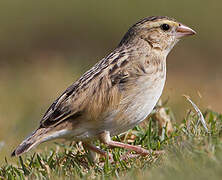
{"x": 117, "y": 93}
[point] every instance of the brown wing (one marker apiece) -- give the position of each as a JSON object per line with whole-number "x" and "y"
{"x": 96, "y": 90}
{"x": 68, "y": 104}
{"x": 61, "y": 108}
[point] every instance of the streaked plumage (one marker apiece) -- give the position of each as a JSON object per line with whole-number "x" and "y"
{"x": 117, "y": 93}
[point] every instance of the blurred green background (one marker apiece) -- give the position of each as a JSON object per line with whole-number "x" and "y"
{"x": 46, "y": 45}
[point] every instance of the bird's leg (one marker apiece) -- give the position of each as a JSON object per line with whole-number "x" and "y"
{"x": 93, "y": 148}
{"x": 106, "y": 139}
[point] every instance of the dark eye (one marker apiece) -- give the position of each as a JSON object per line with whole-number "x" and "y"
{"x": 165, "y": 27}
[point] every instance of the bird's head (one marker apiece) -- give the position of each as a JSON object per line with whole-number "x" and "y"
{"x": 161, "y": 32}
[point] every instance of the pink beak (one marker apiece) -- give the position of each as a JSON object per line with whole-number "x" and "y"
{"x": 183, "y": 30}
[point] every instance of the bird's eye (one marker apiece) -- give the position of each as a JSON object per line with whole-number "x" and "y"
{"x": 165, "y": 27}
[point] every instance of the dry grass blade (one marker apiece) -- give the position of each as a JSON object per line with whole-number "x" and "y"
{"x": 200, "y": 115}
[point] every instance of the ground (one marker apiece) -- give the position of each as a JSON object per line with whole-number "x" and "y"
{"x": 189, "y": 152}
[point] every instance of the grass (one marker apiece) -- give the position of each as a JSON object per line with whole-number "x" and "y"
{"x": 190, "y": 152}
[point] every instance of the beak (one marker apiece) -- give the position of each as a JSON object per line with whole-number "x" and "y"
{"x": 183, "y": 30}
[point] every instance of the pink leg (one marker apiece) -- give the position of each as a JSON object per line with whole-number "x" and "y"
{"x": 105, "y": 138}
{"x": 96, "y": 149}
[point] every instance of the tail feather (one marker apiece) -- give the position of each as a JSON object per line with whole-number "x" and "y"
{"x": 30, "y": 142}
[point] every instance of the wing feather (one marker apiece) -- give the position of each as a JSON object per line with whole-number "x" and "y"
{"x": 60, "y": 109}
{"x": 89, "y": 85}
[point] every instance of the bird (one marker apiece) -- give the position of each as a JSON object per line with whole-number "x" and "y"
{"x": 117, "y": 93}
